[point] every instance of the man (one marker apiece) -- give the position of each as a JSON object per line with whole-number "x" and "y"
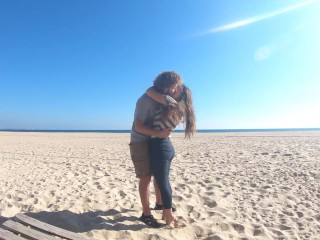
{"x": 140, "y": 134}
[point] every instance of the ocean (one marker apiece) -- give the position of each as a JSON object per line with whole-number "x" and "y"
{"x": 199, "y": 131}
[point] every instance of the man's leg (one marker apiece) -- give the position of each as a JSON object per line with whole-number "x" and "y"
{"x": 144, "y": 191}
{"x": 140, "y": 157}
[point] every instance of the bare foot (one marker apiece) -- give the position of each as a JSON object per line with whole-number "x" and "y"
{"x": 174, "y": 223}
{"x": 171, "y": 221}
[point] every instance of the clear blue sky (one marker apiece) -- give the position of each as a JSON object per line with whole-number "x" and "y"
{"x": 80, "y": 64}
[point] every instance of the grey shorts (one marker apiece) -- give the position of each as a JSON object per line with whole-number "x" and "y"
{"x": 140, "y": 156}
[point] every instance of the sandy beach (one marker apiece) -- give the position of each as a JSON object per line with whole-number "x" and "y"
{"x": 226, "y": 185}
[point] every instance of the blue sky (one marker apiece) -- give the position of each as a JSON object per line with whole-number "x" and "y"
{"x": 80, "y": 64}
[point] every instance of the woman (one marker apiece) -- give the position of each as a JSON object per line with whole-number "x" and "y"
{"x": 161, "y": 149}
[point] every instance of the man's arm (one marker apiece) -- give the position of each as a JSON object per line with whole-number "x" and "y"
{"x": 141, "y": 128}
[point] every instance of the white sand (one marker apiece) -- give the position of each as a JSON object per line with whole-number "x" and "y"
{"x": 226, "y": 186}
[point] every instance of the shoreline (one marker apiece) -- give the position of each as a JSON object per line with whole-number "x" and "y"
{"x": 254, "y": 130}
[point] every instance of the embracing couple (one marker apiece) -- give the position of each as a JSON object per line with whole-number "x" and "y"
{"x": 157, "y": 113}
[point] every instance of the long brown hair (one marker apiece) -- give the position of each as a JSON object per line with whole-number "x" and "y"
{"x": 183, "y": 112}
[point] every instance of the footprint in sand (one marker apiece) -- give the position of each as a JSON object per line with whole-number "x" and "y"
{"x": 223, "y": 226}
{"x": 122, "y": 194}
{"x": 214, "y": 237}
{"x": 209, "y": 189}
{"x": 207, "y": 181}
{"x": 18, "y": 199}
{"x": 177, "y": 198}
{"x": 195, "y": 214}
{"x": 238, "y": 227}
{"x": 97, "y": 184}
{"x": 317, "y": 217}
{"x": 300, "y": 214}
{"x": 284, "y": 227}
{"x": 258, "y": 232}
{"x": 278, "y": 233}
{"x": 287, "y": 155}
{"x": 9, "y": 205}
{"x": 199, "y": 231}
{"x": 212, "y": 204}
{"x": 216, "y": 215}
{"x": 189, "y": 208}
{"x": 291, "y": 214}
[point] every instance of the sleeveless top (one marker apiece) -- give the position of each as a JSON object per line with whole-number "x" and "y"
{"x": 159, "y": 123}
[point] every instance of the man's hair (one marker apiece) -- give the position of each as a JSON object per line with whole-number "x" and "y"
{"x": 166, "y": 80}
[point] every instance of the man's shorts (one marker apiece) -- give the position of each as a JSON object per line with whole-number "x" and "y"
{"x": 140, "y": 156}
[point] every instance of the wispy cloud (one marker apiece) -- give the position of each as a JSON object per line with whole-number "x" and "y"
{"x": 248, "y": 21}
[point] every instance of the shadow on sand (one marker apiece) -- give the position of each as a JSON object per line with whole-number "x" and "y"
{"x": 112, "y": 220}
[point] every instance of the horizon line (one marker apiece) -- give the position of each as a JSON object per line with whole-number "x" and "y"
{"x": 128, "y": 130}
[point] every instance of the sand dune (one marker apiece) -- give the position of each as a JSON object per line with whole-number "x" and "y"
{"x": 226, "y": 186}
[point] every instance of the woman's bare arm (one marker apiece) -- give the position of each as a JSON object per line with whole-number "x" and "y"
{"x": 158, "y": 97}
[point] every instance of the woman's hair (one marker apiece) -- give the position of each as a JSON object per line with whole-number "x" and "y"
{"x": 166, "y": 80}
{"x": 183, "y": 111}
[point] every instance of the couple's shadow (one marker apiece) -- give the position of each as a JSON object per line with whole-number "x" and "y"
{"x": 112, "y": 220}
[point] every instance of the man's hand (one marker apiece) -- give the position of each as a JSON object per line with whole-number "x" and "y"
{"x": 141, "y": 128}
{"x": 164, "y": 133}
